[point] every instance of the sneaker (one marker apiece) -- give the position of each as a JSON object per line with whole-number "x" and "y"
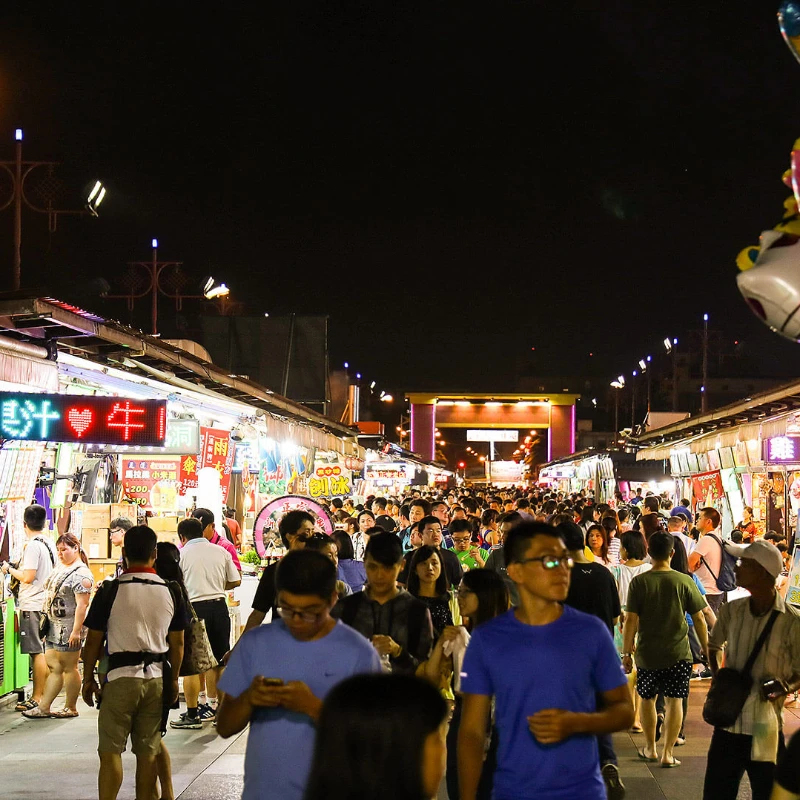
{"x": 705, "y": 674}
{"x": 205, "y": 712}
{"x": 615, "y": 788}
{"x": 185, "y": 721}
{"x": 680, "y": 740}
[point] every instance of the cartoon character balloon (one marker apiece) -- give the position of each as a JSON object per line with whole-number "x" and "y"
{"x": 770, "y": 272}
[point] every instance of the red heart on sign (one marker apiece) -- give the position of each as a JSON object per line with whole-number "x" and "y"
{"x": 79, "y": 421}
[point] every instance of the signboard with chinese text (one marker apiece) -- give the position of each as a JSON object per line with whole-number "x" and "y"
{"x": 330, "y": 480}
{"x": 153, "y": 482}
{"x": 782, "y": 449}
{"x": 391, "y": 471}
{"x": 82, "y": 418}
{"x": 492, "y": 436}
{"x": 216, "y": 451}
{"x": 707, "y": 488}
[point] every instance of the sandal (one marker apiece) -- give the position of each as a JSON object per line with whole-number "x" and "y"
{"x": 26, "y": 705}
{"x": 644, "y": 757}
{"x": 37, "y": 713}
{"x": 64, "y": 713}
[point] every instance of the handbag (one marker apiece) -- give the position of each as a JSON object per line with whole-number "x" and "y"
{"x": 730, "y": 688}
{"x": 198, "y": 657}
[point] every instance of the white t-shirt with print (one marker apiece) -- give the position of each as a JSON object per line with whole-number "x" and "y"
{"x": 36, "y": 555}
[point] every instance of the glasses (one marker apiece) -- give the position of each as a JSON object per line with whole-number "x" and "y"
{"x": 461, "y": 539}
{"x": 289, "y": 614}
{"x": 551, "y": 562}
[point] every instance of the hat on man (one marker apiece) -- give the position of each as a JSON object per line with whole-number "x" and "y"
{"x": 765, "y": 553}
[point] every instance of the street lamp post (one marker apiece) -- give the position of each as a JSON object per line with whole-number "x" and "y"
{"x": 704, "y": 388}
{"x": 671, "y": 346}
{"x": 155, "y": 270}
{"x": 618, "y": 385}
{"x": 19, "y": 171}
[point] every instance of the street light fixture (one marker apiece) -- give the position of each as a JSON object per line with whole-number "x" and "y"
{"x": 95, "y": 197}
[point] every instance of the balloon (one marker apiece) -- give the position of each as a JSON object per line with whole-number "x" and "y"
{"x": 789, "y": 23}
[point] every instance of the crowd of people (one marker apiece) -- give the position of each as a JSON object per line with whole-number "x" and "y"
{"x": 494, "y": 640}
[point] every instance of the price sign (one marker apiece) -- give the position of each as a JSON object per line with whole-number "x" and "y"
{"x": 79, "y": 418}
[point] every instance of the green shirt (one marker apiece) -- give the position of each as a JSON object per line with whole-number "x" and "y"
{"x": 662, "y": 600}
{"x": 467, "y": 561}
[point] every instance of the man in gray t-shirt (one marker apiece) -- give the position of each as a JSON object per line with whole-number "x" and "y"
{"x": 36, "y": 564}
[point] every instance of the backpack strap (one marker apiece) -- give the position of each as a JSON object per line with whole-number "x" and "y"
{"x": 46, "y": 547}
{"x": 705, "y": 563}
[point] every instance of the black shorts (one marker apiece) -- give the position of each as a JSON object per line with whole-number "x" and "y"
{"x": 218, "y": 625}
{"x": 671, "y": 682}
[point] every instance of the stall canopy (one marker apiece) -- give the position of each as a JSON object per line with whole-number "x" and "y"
{"x": 762, "y": 416}
{"x": 74, "y": 337}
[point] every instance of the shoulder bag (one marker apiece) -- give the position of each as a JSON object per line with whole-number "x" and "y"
{"x": 730, "y": 688}
{"x": 44, "y": 619}
{"x": 198, "y": 657}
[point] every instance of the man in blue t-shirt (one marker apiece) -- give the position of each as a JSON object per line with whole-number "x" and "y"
{"x": 555, "y": 663}
{"x": 279, "y": 674}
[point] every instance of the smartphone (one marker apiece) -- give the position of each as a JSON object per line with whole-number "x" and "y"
{"x": 771, "y": 689}
{"x": 273, "y": 681}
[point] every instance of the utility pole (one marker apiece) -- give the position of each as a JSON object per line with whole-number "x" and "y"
{"x": 704, "y": 389}
{"x": 19, "y": 171}
{"x": 155, "y": 269}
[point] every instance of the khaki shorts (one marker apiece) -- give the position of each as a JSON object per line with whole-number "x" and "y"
{"x": 130, "y": 706}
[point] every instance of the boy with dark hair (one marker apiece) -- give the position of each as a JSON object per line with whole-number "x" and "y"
{"x": 35, "y": 565}
{"x": 294, "y": 529}
{"x": 398, "y": 625}
{"x": 555, "y": 663}
{"x": 471, "y": 556}
{"x": 656, "y": 609}
{"x": 279, "y": 674}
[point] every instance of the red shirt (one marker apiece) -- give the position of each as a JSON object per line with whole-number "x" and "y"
{"x": 224, "y": 543}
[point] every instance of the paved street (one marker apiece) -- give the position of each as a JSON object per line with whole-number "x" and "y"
{"x": 47, "y": 759}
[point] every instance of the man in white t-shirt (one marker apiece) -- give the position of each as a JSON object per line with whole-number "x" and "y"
{"x": 35, "y": 566}
{"x": 208, "y": 573}
{"x": 706, "y": 558}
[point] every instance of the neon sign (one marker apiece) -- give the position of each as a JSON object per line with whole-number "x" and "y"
{"x": 79, "y": 418}
{"x": 779, "y": 449}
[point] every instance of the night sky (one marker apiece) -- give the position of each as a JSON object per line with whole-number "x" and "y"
{"x": 454, "y": 185}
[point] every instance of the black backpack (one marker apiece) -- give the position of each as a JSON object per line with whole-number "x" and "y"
{"x": 726, "y": 580}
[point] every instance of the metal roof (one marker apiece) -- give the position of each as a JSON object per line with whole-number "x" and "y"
{"x": 58, "y": 325}
{"x": 751, "y": 409}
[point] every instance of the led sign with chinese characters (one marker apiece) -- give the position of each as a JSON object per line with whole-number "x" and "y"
{"x": 782, "y": 449}
{"x": 83, "y": 418}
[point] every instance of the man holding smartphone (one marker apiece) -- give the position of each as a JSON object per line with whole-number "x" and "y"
{"x": 279, "y": 674}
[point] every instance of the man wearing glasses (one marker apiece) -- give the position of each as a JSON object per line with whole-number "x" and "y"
{"x": 555, "y": 663}
{"x": 470, "y": 555}
{"x": 279, "y": 674}
{"x": 118, "y": 528}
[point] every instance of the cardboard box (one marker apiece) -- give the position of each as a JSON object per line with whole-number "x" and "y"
{"x": 168, "y": 536}
{"x": 125, "y": 510}
{"x": 102, "y": 569}
{"x": 95, "y": 542}
{"x": 94, "y": 515}
{"x": 163, "y": 524}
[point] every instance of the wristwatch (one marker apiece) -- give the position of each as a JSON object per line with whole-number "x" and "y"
{"x": 626, "y": 655}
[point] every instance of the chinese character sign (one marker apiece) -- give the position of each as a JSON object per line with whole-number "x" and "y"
{"x": 216, "y": 450}
{"x": 782, "y": 449}
{"x": 79, "y": 418}
{"x": 330, "y": 480}
{"x": 707, "y": 489}
{"x": 152, "y": 482}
